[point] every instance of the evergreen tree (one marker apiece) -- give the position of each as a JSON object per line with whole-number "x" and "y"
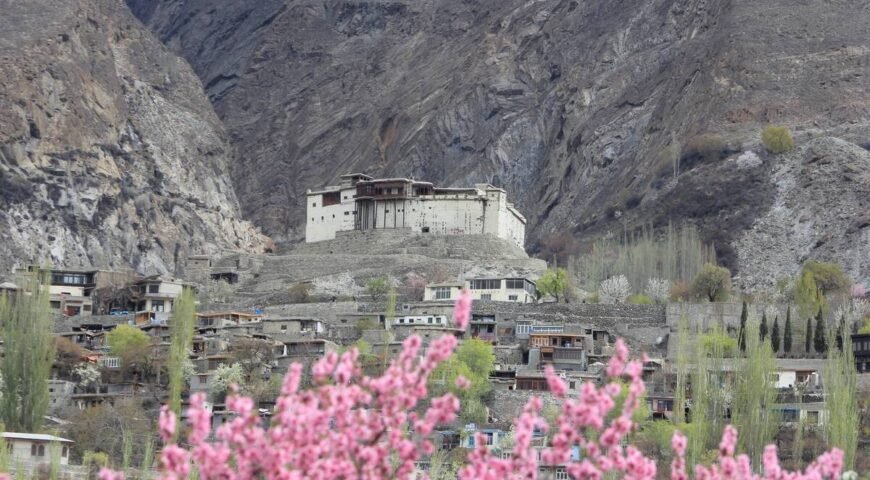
{"x": 808, "y": 345}
{"x": 786, "y": 336}
{"x": 819, "y": 343}
{"x": 774, "y": 335}
{"x": 762, "y": 330}
{"x": 741, "y": 336}
{"x": 26, "y": 327}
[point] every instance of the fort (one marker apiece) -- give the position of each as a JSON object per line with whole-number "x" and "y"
{"x": 361, "y": 202}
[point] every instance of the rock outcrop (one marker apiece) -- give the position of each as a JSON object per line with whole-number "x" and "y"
{"x": 575, "y": 107}
{"x": 821, "y": 211}
{"x": 110, "y": 153}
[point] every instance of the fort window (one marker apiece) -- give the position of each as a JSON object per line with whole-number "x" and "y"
{"x": 331, "y": 198}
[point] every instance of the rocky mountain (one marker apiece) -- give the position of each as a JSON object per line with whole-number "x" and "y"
{"x": 110, "y": 153}
{"x": 580, "y": 109}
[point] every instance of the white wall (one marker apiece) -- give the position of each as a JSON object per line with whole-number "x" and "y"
{"x": 457, "y": 213}
{"x": 21, "y": 452}
{"x": 322, "y": 222}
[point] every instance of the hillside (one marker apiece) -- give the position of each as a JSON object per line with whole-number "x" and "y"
{"x": 574, "y": 107}
{"x": 110, "y": 153}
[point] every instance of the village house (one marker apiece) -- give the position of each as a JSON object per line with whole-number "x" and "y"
{"x": 34, "y": 448}
{"x": 861, "y": 351}
{"x": 518, "y": 290}
{"x": 293, "y": 326}
{"x": 361, "y": 202}
{"x": 156, "y": 295}
{"x": 225, "y": 319}
{"x": 565, "y": 351}
{"x": 8, "y": 288}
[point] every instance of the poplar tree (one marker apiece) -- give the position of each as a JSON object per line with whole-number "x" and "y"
{"x": 762, "y": 330}
{"x": 839, "y": 378}
{"x": 808, "y": 344}
{"x": 753, "y": 399}
{"x": 26, "y": 327}
{"x": 819, "y": 342}
{"x": 741, "y": 336}
{"x": 774, "y": 335}
{"x": 786, "y": 337}
{"x": 181, "y": 327}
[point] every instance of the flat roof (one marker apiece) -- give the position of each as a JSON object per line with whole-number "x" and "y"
{"x": 445, "y": 284}
{"x": 218, "y": 314}
{"x": 39, "y": 437}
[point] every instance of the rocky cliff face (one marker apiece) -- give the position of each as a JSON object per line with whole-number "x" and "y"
{"x": 110, "y": 153}
{"x": 576, "y": 107}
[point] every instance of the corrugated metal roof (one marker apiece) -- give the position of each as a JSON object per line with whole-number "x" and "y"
{"x": 34, "y": 436}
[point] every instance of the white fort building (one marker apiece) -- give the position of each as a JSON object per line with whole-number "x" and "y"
{"x": 363, "y": 203}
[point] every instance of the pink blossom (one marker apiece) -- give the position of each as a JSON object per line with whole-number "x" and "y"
{"x": 462, "y": 309}
{"x": 348, "y": 425}
{"x": 463, "y": 383}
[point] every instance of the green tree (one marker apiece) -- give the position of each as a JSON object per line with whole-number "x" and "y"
{"x": 741, "y": 335}
{"x": 829, "y": 277}
{"x": 377, "y": 287}
{"x": 754, "y": 396}
{"x": 26, "y": 328}
{"x": 807, "y": 295}
{"x": 131, "y": 345}
{"x": 181, "y": 328}
{"x": 762, "y": 329}
{"x": 712, "y": 283}
{"x": 774, "y": 335}
{"x": 840, "y": 382}
{"x": 786, "y": 336}
{"x": 808, "y": 342}
{"x": 474, "y": 360}
{"x": 553, "y": 283}
{"x": 777, "y": 139}
{"x": 682, "y": 367}
{"x": 820, "y": 344}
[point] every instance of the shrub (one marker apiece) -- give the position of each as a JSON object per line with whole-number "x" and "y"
{"x": 377, "y": 287}
{"x": 712, "y": 284}
{"x": 706, "y": 147}
{"x": 777, "y": 139}
{"x": 681, "y": 292}
{"x": 640, "y": 299}
{"x": 300, "y": 293}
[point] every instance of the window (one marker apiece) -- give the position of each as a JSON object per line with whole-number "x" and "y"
{"x": 283, "y": 328}
{"x": 203, "y": 379}
{"x": 157, "y": 306}
{"x": 63, "y": 452}
{"x": 54, "y": 304}
{"x": 486, "y": 284}
{"x": 153, "y": 288}
{"x": 513, "y": 298}
{"x": 401, "y": 320}
{"x": 431, "y": 319}
{"x": 442, "y": 293}
{"x": 347, "y": 213}
{"x": 40, "y": 451}
{"x": 314, "y": 205}
{"x": 32, "y": 449}
{"x": 515, "y": 283}
{"x": 486, "y": 296}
